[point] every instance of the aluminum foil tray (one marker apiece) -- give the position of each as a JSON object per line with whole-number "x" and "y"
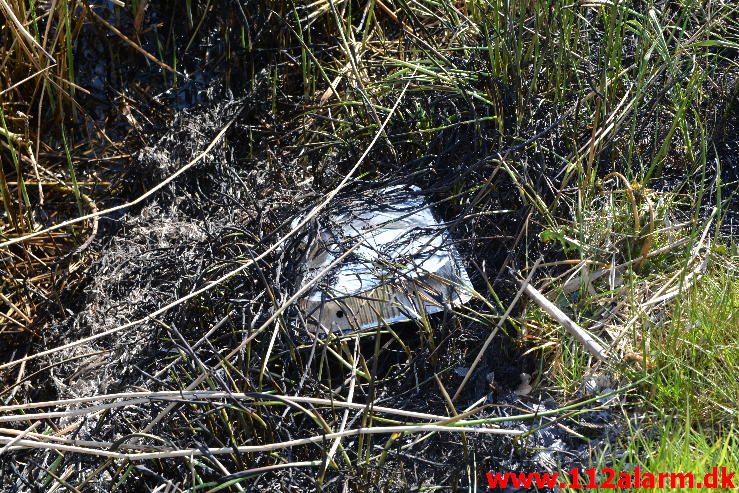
{"x": 403, "y": 265}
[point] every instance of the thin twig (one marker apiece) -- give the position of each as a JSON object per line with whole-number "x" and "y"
{"x": 570, "y": 326}
{"x": 490, "y": 338}
{"x": 129, "y": 42}
{"x": 22, "y": 30}
{"x": 248, "y": 449}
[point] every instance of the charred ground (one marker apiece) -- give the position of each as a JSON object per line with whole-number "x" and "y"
{"x": 498, "y": 124}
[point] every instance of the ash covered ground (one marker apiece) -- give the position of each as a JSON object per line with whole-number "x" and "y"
{"x": 207, "y": 222}
{"x": 225, "y": 211}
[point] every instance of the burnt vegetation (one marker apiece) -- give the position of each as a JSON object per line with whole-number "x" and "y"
{"x": 155, "y": 157}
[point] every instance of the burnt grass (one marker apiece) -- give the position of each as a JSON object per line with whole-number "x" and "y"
{"x": 240, "y": 199}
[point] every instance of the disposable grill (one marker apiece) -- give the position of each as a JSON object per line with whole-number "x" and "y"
{"x": 404, "y": 266}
